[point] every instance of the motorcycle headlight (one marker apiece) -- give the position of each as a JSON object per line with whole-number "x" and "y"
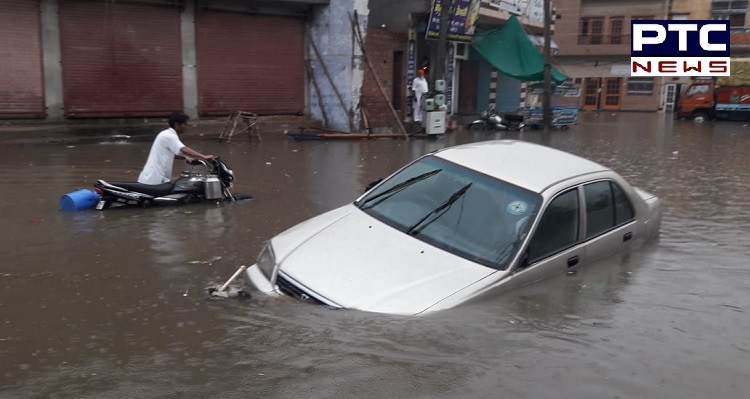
{"x": 267, "y": 261}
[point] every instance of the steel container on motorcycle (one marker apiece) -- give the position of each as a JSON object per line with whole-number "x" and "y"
{"x": 212, "y": 187}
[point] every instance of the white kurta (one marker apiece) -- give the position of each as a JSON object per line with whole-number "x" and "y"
{"x": 158, "y": 168}
{"x": 419, "y": 87}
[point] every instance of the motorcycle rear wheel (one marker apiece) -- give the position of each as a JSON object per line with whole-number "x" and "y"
{"x": 476, "y": 126}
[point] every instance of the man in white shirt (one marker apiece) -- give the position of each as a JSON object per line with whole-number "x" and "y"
{"x": 419, "y": 87}
{"x": 166, "y": 147}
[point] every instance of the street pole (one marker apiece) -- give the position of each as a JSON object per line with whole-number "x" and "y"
{"x": 439, "y": 70}
{"x": 547, "y": 95}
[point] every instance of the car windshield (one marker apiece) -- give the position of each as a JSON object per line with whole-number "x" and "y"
{"x": 457, "y": 209}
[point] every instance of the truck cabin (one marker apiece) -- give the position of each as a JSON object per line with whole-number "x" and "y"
{"x": 698, "y": 88}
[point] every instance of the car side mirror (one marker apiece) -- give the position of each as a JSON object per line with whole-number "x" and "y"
{"x": 373, "y": 184}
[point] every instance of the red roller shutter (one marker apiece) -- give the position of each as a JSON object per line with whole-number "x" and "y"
{"x": 120, "y": 59}
{"x": 251, "y": 63}
{"x": 21, "y": 76}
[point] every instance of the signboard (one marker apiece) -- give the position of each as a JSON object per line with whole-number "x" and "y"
{"x": 620, "y": 70}
{"x": 511, "y": 6}
{"x": 559, "y": 91}
{"x": 533, "y": 10}
{"x": 461, "y": 19}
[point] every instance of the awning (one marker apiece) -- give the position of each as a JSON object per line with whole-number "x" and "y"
{"x": 510, "y": 50}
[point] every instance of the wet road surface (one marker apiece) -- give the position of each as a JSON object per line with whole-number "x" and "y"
{"x": 113, "y": 304}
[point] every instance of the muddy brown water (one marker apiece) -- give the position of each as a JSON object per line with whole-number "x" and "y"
{"x": 113, "y": 304}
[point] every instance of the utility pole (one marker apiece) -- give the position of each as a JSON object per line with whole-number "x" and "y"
{"x": 547, "y": 95}
{"x": 439, "y": 70}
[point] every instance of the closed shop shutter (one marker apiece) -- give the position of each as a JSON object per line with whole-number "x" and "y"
{"x": 252, "y": 63}
{"x": 21, "y": 72}
{"x": 120, "y": 59}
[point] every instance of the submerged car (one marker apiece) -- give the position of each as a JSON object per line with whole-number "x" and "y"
{"x": 456, "y": 224}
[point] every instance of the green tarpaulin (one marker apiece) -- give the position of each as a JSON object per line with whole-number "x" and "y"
{"x": 510, "y": 50}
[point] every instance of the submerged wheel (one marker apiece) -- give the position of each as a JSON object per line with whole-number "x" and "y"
{"x": 700, "y": 117}
{"x": 476, "y": 126}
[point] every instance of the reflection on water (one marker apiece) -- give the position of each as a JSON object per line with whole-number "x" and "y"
{"x": 173, "y": 231}
{"x": 94, "y": 304}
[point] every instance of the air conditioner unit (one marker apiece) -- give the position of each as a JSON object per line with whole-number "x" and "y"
{"x": 462, "y": 51}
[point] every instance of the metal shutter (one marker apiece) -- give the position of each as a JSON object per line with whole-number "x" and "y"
{"x": 251, "y": 63}
{"x": 21, "y": 72}
{"x": 120, "y": 59}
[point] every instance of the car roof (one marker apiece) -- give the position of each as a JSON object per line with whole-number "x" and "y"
{"x": 532, "y": 166}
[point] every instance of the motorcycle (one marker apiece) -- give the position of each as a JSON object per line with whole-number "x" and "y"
{"x": 491, "y": 120}
{"x": 191, "y": 186}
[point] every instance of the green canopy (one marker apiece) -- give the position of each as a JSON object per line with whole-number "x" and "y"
{"x": 510, "y": 50}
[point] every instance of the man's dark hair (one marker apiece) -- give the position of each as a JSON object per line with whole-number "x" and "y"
{"x": 177, "y": 117}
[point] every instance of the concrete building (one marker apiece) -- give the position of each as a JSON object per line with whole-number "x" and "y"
{"x": 398, "y": 43}
{"x": 594, "y": 51}
{"x": 594, "y": 41}
{"x": 80, "y": 59}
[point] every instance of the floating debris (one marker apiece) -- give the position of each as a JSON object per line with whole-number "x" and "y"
{"x": 206, "y": 262}
{"x": 227, "y": 291}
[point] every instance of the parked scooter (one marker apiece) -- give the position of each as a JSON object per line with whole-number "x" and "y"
{"x": 191, "y": 186}
{"x": 491, "y": 120}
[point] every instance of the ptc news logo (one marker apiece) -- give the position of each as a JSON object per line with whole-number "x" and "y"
{"x": 679, "y": 48}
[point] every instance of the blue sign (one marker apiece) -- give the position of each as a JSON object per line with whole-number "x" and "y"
{"x": 462, "y": 19}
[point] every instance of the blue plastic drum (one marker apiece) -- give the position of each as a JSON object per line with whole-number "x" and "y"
{"x": 77, "y": 200}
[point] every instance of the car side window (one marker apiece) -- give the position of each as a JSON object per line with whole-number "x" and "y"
{"x": 607, "y": 206}
{"x": 600, "y": 208}
{"x": 623, "y": 208}
{"x": 558, "y": 227}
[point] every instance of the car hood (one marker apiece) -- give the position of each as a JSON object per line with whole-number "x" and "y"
{"x": 358, "y": 262}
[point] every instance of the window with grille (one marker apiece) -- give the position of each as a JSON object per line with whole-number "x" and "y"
{"x": 615, "y": 30}
{"x": 591, "y": 31}
{"x": 728, "y": 6}
{"x": 733, "y": 11}
{"x": 640, "y": 86}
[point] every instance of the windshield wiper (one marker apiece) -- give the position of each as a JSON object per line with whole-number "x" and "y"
{"x": 398, "y": 187}
{"x": 412, "y": 230}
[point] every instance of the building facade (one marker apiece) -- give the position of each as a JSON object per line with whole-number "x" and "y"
{"x": 594, "y": 51}
{"x": 78, "y": 59}
{"x": 398, "y": 42}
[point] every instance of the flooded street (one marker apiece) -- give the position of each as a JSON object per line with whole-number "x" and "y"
{"x": 113, "y": 304}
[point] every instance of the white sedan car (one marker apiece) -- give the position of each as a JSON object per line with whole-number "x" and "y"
{"x": 455, "y": 224}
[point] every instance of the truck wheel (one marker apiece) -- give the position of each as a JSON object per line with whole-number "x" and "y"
{"x": 700, "y": 117}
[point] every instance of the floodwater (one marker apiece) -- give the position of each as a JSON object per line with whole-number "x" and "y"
{"x": 113, "y": 304}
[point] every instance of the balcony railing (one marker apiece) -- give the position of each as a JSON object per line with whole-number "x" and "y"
{"x": 604, "y": 39}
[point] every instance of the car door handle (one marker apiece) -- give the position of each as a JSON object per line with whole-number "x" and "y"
{"x": 572, "y": 261}
{"x": 627, "y": 236}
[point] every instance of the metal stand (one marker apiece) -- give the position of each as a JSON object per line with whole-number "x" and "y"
{"x": 239, "y": 122}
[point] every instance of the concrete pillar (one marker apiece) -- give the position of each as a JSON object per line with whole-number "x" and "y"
{"x": 189, "y": 63}
{"x": 52, "y": 60}
{"x": 331, "y": 32}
